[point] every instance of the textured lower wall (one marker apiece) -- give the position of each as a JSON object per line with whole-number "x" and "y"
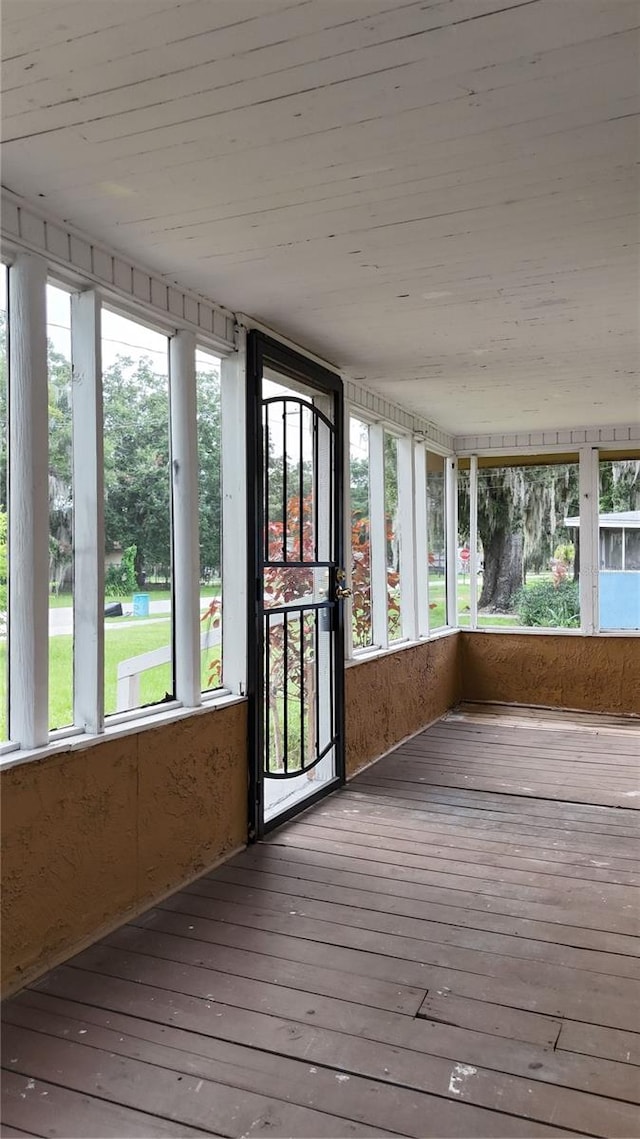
{"x": 594, "y": 674}
{"x": 392, "y": 696}
{"x": 90, "y": 836}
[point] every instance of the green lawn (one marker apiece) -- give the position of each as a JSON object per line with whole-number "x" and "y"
{"x": 437, "y": 618}
{"x": 121, "y": 642}
{"x": 124, "y": 639}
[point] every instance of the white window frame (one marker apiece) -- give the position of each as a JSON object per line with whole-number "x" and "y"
{"x": 412, "y": 526}
{"x": 421, "y": 538}
{"x": 451, "y": 538}
{"x": 592, "y": 484}
{"x": 352, "y": 651}
{"x": 28, "y": 276}
{"x": 589, "y": 495}
{"x": 378, "y": 538}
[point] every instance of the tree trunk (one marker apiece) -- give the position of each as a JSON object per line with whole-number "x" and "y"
{"x": 139, "y": 570}
{"x": 576, "y": 556}
{"x": 503, "y": 574}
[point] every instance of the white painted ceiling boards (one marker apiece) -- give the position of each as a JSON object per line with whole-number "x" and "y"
{"x": 440, "y": 197}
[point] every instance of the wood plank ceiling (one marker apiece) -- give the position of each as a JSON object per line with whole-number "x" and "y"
{"x": 440, "y": 197}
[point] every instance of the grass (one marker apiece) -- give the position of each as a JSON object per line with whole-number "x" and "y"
{"x": 120, "y": 644}
{"x": 437, "y": 617}
{"x": 123, "y": 639}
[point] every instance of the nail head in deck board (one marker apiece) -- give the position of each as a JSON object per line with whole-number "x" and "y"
{"x": 356, "y": 1098}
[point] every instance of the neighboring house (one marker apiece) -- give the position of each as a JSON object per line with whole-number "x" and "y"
{"x": 619, "y": 562}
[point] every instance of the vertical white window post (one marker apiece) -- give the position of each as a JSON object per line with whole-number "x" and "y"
{"x": 29, "y": 514}
{"x": 421, "y": 541}
{"x": 473, "y": 540}
{"x": 88, "y": 513}
{"x": 451, "y": 506}
{"x": 348, "y": 552}
{"x": 378, "y": 537}
{"x": 186, "y": 549}
{"x": 407, "y": 539}
{"x": 234, "y": 519}
{"x": 589, "y": 539}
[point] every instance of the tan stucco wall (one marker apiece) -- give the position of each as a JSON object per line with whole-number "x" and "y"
{"x": 392, "y": 696}
{"x": 95, "y": 834}
{"x": 92, "y": 835}
{"x": 594, "y": 674}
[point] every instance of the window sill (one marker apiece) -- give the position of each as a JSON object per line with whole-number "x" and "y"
{"x": 364, "y": 655}
{"x": 548, "y": 631}
{"x": 75, "y": 740}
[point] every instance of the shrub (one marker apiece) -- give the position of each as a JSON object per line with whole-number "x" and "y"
{"x": 550, "y": 605}
{"x": 120, "y": 580}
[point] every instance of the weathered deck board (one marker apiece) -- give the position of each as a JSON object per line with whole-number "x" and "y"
{"x": 447, "y": 947}
{"x": 251, "y": 1068}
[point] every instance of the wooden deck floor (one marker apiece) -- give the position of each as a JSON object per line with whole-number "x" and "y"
{"x": 448, "y": 947}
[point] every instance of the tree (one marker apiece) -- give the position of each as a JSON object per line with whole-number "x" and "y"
{"x": 619, "y": 485}
{"x": 60, "y": 463}
{"x": 60, "y": 430}
{"x": 136, "y": 464}
{"x": 209, "y": 474}
{"x": 520, "y": 523}
{"x": 500, "y": 516}
{"x": 359, "y": 474}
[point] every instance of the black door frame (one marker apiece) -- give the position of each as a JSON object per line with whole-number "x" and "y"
{"x": 264, "y": 352}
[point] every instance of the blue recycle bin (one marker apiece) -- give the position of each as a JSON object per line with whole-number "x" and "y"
{"x": 141, "y": 604}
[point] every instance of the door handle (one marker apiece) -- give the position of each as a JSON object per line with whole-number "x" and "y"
{"x": 341, "y": 590}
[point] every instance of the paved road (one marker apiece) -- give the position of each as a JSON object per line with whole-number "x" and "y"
{"x": 61, "y": 619}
